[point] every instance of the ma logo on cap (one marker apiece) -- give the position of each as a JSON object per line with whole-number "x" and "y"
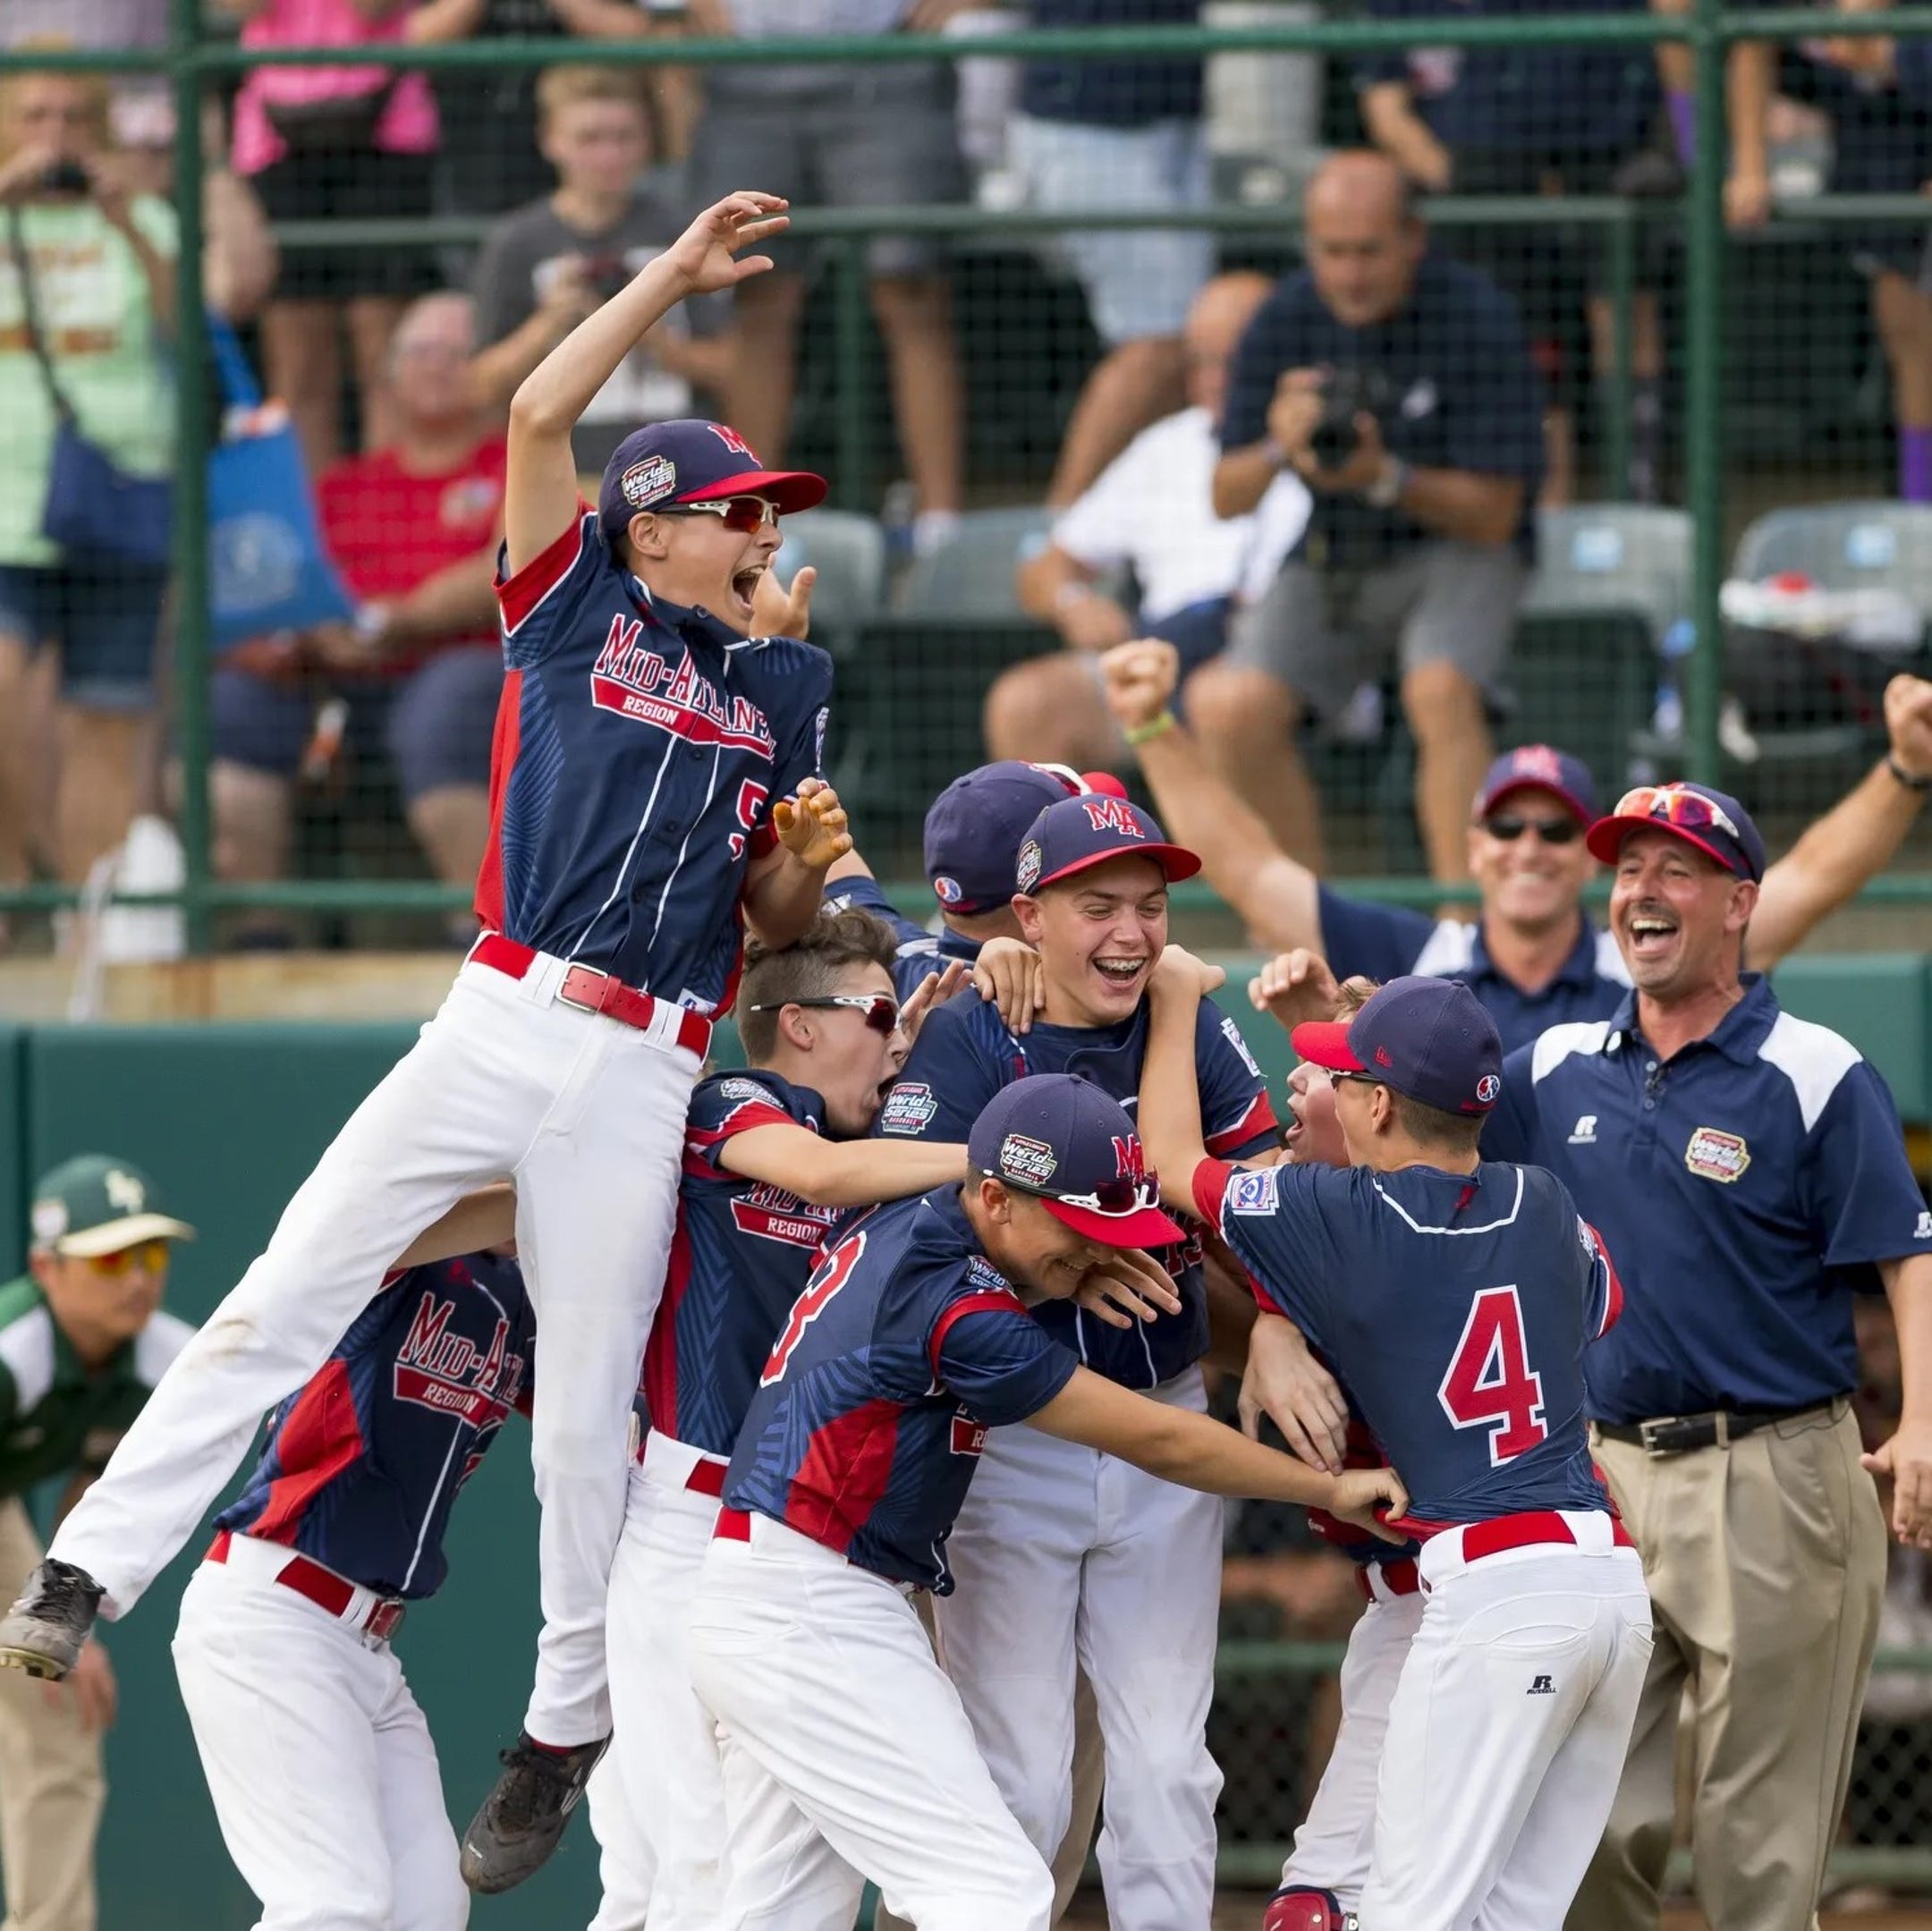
{"x": 733, "y": 441}
{"x": 1537, "y": 761}
{"x": 1129, "y": 1161}
{"x": 1112, "y": 815}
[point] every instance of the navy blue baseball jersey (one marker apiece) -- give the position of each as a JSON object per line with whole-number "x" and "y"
{"x": 906, "y": 1346}
{"x": 364, "y": 1462}
{"x": 1454, "y": 1306}
{"x": 1386, "y": 942}
{"x": 640, "y": 748}
{"x": 964, "y": 1055}
{"x": 1746, "y": 1185}
{"x": 920, "y": 952}
{"x": 741, "y": 1255}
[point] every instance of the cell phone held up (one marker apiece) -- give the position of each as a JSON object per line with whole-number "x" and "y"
{"x": 67, "y": 178}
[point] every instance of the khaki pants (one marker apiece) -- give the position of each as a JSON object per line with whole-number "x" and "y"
{"x": 52, "y": 1787}
{"x": 1089, "y": 1761}
{"x": 1765, "y": 1564}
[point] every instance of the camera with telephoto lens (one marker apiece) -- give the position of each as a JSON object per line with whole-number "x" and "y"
{"x": 1345, "y": 395}
{"x": 65, "y": 177}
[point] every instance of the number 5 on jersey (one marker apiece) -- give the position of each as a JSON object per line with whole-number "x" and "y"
{"x": 828, "y": 1276}
{"x": 1490, "y": 1383}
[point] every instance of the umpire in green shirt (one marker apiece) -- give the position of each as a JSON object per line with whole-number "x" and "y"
{"x": 82, "y": 1340}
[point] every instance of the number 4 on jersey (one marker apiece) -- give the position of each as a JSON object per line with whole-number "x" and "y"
{"x": 1490, "y": 1383}
{"x": 828, "y": 1276}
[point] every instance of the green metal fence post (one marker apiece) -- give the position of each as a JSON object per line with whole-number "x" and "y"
{"x": 1620, "y": 240}
{"x": 193, "y": 437}
{"x": 1704, "y": 383}
{"x": 851, "y": 483}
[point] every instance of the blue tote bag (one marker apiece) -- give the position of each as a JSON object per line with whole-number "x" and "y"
{"x": 267, "y": 570}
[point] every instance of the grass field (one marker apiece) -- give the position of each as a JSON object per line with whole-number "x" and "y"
{"x": 1243, "y": 1913}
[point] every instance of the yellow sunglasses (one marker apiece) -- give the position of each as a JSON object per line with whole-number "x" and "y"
{"x": 151, "y": 1257}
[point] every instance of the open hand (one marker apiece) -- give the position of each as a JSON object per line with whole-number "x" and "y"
{"x": 1906, "y": 1460}
{"x": 1293, "y": 986}
{"x": 812, "y": 827}
{"x": 1284, "y": 1382}
{"x": 1360, "y": 1496}
{"x": 934, "y": 990}
{"x": 1009, "y": 974}
{"x": 1129, "y": 1287}
{"x": 1141, "y": 678}
{"x": 707, "y": 254}
{"x": 777, "y": 612}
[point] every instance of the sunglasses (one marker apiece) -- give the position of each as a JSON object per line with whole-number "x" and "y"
{"x": 1551, "y": 830}
{"x": 1356, "y": 1078}
{"x": 151, "y": 1257}
{"x": 1672, "y": 804}
{"x": 1118, "y": 1197}
{"x": 881, "y": 1010}
{"x": 747, "y": 515}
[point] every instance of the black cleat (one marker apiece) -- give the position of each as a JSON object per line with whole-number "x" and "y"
{"x": 46, "y": 1629}
{"x": 521, "y": 1821}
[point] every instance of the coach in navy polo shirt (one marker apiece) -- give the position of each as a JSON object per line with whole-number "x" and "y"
{"x": 1420, "y": 538}
{"x": 1748, "y": 1174}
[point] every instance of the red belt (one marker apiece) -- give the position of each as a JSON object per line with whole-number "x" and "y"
{"x": 326, "y": 1589}
{"x": 733, "y": 1525}
{"x": 596, "y": 992}
{"x": 705, "y": 1478}
{"x": 1399, "y": 1578}
{"x": 1525, "y": 1531}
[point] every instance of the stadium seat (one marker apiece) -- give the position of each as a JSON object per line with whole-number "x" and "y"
{"x": 1844, "y": 546}
{"x": 971, "y": 574}
{"x": 1613, "y": 557}
{"x": 848, "y": 551}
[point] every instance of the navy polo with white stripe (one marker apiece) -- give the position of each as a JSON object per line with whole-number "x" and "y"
{"x": 1745, "y": 1187}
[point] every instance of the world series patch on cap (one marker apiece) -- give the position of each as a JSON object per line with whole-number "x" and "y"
{"x": 692, "y": 460}
{"x": 1429, "y": 1038}
{"x": 1063, "y": 1141}
{"x": 95, "y": 1204}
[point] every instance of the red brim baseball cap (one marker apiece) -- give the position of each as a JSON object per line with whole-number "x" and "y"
{"x": 1427, "y": 1037}
{"x": 1140, "y": 1226}
{"x": 1325, "y": 1043}
{"x": 1077, "y": 834}
{"x": 693, "y": 460}
{"x": 790, "y": 489}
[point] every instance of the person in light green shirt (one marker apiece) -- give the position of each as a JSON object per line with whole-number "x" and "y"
{"x": 99, "y": 265}
{"x": 84, "y": 1339}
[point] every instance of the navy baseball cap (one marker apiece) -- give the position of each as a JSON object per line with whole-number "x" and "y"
{"x": 1712, "y": 821}
{"x": 974, "y": 827}
{"x": 693, "y": 461}
{"x": 1540, "y": 768}
{"x": 1429, "y": 1038}
{"x": 1063, "y": 1140}
{"x": 1080, "y": 833}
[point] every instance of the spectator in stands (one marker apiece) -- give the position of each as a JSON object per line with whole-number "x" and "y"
{"x": 843, "y": 135}
{"x": 1150, "y": 512}
{"x": 1535, "y": 120}
{"x": 99, "y": 264}
{"x": 1531, "y": 956}
{"x": 348, "y": 143}
{"x": 414, "y": 529}
{"x": 492, "y": 157}
{"x": 546, "y": 266}
{"x": 1124, "y": 132}
{"x": 1878, "y": 91}
{"x": 1424, "y": 462}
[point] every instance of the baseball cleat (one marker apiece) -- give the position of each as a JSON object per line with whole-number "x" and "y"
{"x": 1299, "y": 1910}
{"x": 46, "y": 1629}
{"x": 521, "y": 1820}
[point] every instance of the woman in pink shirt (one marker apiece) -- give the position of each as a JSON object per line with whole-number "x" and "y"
{"x": 348, "y": 143}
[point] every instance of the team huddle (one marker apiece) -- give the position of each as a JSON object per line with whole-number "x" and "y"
{"x": 867, "y": 1382}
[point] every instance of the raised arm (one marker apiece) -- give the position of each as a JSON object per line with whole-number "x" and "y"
{"x": 1855, "y": 839}
{"x": 540, "y": 497}
{"x": 484, "y": 1218}
{"x": 1170, "y": 1112}
{"x": 1277, "y": 898}
{"x": 853, "y": 1173}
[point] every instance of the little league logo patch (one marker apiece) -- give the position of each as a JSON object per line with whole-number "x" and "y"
{"x": 947, "y": 890}
{"x": 1487, "y": 1090}
{"x": 1028, "y": 875}
{"x": 1254, "y": 1192}
{"x": 1031, "y": 1163}
{"x": 1716, "y": 1155}
{"x": 908, "y": 1108}
{"x": 647, "y": 482}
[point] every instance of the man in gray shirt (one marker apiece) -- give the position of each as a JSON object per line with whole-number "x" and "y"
{"x": 544, "y": 267}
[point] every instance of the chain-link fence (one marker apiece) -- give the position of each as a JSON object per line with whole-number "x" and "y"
{"x": 992, "y": 288}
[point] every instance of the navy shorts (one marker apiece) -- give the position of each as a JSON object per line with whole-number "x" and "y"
{"x": 103, "y": 619}
{"x": 435, "y": 725}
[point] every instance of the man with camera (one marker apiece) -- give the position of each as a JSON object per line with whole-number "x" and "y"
{"x": 1398, "y": 385}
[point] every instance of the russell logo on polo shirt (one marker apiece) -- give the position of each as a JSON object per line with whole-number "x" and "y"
{"x": 1716, "y": 1155}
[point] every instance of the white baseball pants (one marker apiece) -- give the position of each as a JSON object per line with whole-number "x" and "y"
{"x": 625, "y": 1871}
{"x": 589, "y": 1116}
{"x": 845, "y": 1746}
{"x": 1332, "y": 1849}
{"x": 1508, "y": 1733}
{"x": 1061, "y": 1553}
{"x": 324, "y": 1777}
